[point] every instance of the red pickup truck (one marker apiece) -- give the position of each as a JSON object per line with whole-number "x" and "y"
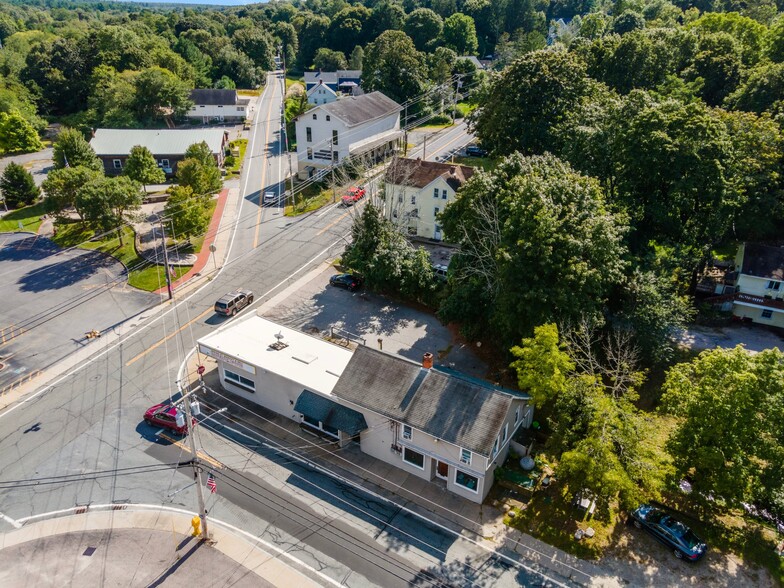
{"x": 354, "y": 195}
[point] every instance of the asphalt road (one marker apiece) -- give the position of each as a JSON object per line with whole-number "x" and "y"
{"x": 439, "y": 145}
{"x": 51, "y": 298}
{"x": 90, "y": 421}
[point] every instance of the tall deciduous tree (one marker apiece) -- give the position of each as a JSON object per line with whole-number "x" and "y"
{"x": 329, "y": 60}
{"x": 198, "y": 170}
{"x": 17, "y": 135}
{"x": 459, "y": 34}
{"x": 62, "y": 186}
{"x": 538, "y": 240}
{"x": 729, "y": 439}
{"x": 424, "y": 27}
{"x": 17, "y": 186}
{"x": 542, "y": 365}
{"x": 188, "y": 212}
{"x": 109, "y": 203}
{"x": 160, "y": 92}
{"x": 393, "y": 66}
{"x": 72, "y": 150}
{"x": 522, "y": 107}
{"x": 142, "y": 167}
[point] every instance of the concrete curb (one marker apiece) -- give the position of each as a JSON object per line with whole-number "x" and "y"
{"x": 246, "y": 550}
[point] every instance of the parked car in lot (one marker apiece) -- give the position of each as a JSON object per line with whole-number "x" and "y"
{"x": 669, "y": 531}
{"x": 350, "y": 282}
{"x": 233, "y": 302}
{"x": 165, "y": 415}
{"x": 354, "y": 195}
{"x": 475, "y": 151}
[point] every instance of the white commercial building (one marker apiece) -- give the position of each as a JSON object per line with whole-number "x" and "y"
{"x": 432, "y": 422}
{"x": 211, "y": 105}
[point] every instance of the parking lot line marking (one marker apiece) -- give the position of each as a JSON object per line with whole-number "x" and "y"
{"x": 162, "y": 341}
{"x": 333, "y": 223}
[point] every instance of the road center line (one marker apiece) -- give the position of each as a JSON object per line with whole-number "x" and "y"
{"x": 333, "y": 223}
{"x": 167, "y": 337}
{"x": 263, "y": 169}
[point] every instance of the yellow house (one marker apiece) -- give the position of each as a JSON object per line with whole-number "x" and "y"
{"x": 417, "y": 191}
{"x": 759, "y": 290}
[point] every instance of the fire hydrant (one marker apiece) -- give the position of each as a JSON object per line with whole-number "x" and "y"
{"x": 196, "y": 524}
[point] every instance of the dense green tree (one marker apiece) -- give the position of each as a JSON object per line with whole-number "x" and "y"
{"x": 385, "y": 16}
{"x": 386, "y": 258}
{"x": 729, "y": 436}
{"x": 225, "y": 83}
{"x": 111, "y": 100}
{"x": 747, "y": 32}
{"x": 199, "y": 171}
{"x": 109, "y": 203}
{"x": 62, "y": 186}
{"x": 121, "y": 48}
{"x": 17, "y": 135}
{"x": 201, "y": 63}
{"x": 537, "y": 240}
{"x": 236, "y": 66}
{"x": 761, "y": 91}
{"x": 188, "y": 212}
{"x": 349, "y": 28}
{"x": 257, "y": 44}
{"x": 356, "y": 58}
{"x": 159, "y": 92}
{"x": 17, "y": 186}
{"x": 424, "y": 27}
{"x": 718, "y": 64}
{"x": 286, "y": 34}
{"x": 56, "y": 71}
{"x": 142, "y": 167}
{"x": 312, "y": 33}
{"x": 329, "y": 60}
{"x": 440, "y": 64}
{"x": 459, "y": 34}
{"x": 393, "y": 66}
{"x": 70, "y": 149}
{"x": 627, "y": 22}
{"x": 775, "y": 41}
{"x": 542, "y": 365}
{"x": 522, "y": 107}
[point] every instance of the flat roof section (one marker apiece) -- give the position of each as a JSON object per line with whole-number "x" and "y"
{"x": 301, "y": 358}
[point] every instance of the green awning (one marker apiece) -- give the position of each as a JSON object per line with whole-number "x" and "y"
{"x": 330, "y": 413}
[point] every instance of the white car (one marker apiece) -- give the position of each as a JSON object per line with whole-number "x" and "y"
{"x": 270, "y": 198}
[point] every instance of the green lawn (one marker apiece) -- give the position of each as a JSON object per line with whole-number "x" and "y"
{"x": 234, "y": 170}
{"x": 29, "y": 215}
{"x": 291, "y": 80}
{"x": 484, "y": 163}
{"x": 311, "y": 198}
{"x": 249, "y": 92}
{"x": 141, "y": 274}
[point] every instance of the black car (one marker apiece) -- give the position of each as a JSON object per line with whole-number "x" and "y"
{"x": 476, "y": 151}
{"x": 669, "y": 531}
{"x": 350, "y": 282}
{"x": 233, "y": 302}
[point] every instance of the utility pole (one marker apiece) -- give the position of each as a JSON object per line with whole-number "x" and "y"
{"x": 166, "y": 258}
{"x": 424, "y": 148}
{"x": 196, "y": 465}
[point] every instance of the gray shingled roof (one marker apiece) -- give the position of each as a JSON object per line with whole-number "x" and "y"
{"x": 158, "y": 141}
{"x": 763, "y": 261}
{"x": 354, "y": 110}
{"x": 459, "y": 410}
{"x": 214, "y": 97}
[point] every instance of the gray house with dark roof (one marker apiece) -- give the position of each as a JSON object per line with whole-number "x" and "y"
{"x": 434, "y": 423}
{"x": 367, "y": 126}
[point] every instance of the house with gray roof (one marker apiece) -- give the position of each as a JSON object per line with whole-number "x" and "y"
{"x": 217, "y": 105}
{"x": 367, "y": 126}
{"x": 433, "y": 422}
{"x": 168, "y": 146}
{"x": 342, "y": 80}
{"x": 759, "y": 284}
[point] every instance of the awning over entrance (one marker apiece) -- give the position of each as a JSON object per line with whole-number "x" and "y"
{"x": 330, "y": 413}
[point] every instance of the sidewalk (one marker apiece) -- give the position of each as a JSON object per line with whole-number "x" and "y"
{"x": 481, "y": 523}
{"x": 137, "y": 548}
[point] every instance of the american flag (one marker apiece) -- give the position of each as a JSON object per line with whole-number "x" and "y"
{"x": 211, "y": 483}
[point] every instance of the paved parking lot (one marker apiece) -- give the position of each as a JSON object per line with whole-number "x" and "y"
{"x": 401, "y": 329}
{"x": 51, "y": 298}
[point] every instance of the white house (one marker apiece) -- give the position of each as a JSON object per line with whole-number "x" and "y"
{"x": 759, "y": 284}
{"x": 347, "y": 81}
{"x": 354, "y": 125}
{"x": 416, "y": 191}
{"x": 218, "y": 105}
{"x": 434, "y": 423}
{"x": 321, "y": 94}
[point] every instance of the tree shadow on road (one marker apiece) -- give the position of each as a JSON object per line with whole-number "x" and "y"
{"x": 66, "y": 272}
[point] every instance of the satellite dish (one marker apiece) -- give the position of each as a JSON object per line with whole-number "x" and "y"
{"x": 279, "y": 336}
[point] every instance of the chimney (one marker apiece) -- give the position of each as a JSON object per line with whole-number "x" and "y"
{"x": 452, "y": 170}
{"x": 427, "y": 360}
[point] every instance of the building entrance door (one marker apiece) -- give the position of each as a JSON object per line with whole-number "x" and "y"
{"x": 442, "y": 470}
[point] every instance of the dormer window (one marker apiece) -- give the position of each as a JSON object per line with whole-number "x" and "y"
{"x": 314, "y": 117}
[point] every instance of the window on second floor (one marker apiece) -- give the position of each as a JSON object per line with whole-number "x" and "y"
{"x": 400, "y": 199}
{"x": 408, "y": 432}
{"x": 334, "y": 137}
{"x": 517, "y": 415}
{"x": 308, "y": 134}
{"x": 435, "y": 192}
{"x": 436, "y": 210}
{"x": 413, "y": 198}
{"x": 506, "y": 433}
{"x": 465, "y": 456}
{"x": 774, "y": 285}
{"x": 767, "y": 314}
{"x": 329, "y": 118}
{"x": 443, "y": 194}
{"x": 314, "y": 117}
{"x": 495, "y": 447}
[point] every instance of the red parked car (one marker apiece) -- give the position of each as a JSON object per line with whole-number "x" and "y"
{"x": 165, "y": 415}
{"x": 354, "y": 195}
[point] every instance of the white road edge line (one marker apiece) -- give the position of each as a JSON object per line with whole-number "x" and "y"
{"x": 225, "y": 525}
{"x": 14, "y": 523}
